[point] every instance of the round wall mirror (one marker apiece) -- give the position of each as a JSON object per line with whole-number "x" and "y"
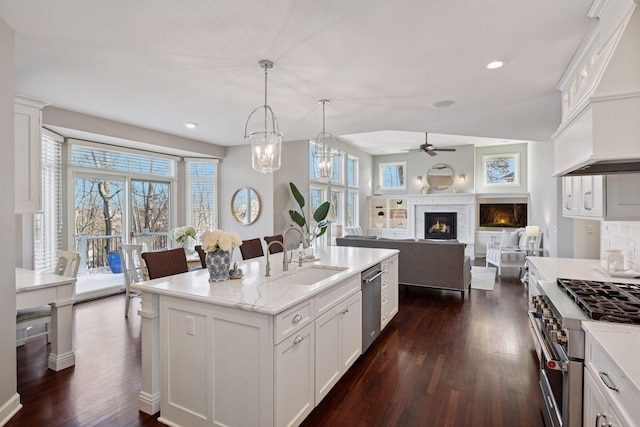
{"x": 245, "y": 205}
{"x": 440, "y": 177}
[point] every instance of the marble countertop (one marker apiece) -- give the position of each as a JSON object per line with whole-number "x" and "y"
{"x": 574, "y": 268}
{"x": 269, "y": 295}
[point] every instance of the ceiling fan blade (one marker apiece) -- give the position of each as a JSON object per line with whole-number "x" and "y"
{"x": 445, "y": 149}
{"x": 431, "y": 153}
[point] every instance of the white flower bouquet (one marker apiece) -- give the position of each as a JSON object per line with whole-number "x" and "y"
{"x": 180, "y": 234}
{"x": 218, "y": 239}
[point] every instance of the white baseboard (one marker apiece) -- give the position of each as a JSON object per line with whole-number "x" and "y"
{"x": 9, "y": 409}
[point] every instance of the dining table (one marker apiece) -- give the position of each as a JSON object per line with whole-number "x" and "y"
{"x": 34, "y": 288}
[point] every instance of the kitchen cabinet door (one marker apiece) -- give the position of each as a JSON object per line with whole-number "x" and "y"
{"x": 294, "y": 377}
{"x": 338, "y": 343}
{"x": 596, "y": 409}
{"x": 592, "y": 196}
{"x": 570, "y": 195}
{"x": 623, "y": 197}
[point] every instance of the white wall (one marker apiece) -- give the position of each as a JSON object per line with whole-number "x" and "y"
{"x": 624, "y": 235}
{"x": 586, "y": 238}
{"x": 9, "y": 398}
{"x": 544, "y": 196}
{"x": 236, "y": 172}
{"x": 418, "y": 163}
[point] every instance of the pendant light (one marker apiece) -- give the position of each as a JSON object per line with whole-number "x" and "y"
{"x": 325, "y": 154}
{"x": 266, "y": 143}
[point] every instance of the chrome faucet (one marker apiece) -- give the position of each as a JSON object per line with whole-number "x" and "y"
{"x": 285, "y": 264}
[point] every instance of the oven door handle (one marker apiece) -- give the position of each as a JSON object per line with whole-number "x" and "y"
{"x": 556, "y": 365}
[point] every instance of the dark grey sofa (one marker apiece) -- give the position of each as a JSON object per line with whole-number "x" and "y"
{"x": 439, "y": 264}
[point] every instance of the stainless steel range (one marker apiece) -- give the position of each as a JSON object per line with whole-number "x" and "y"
{"x": 556, "y": 315}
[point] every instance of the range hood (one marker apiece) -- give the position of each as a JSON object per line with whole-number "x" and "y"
{"x": 600, "y": 135}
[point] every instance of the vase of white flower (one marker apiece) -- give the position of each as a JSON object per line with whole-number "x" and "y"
{"x": 181, "y": 235}
{"x": 219, "y": 245}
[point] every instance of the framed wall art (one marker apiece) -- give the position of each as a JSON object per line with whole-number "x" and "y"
{"x": 501, "y": 169}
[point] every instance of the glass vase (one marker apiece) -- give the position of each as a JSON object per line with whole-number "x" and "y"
{"x": 218, "y": 264}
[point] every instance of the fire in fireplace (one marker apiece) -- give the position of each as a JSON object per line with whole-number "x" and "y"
{"x": 440, "y": 225}
{"x": 503, "y": 215}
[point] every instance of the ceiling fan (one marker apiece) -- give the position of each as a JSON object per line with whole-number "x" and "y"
{"x": 429, "y": 148}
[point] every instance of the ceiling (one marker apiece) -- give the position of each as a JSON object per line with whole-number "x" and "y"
{"x": 382, "y": 64}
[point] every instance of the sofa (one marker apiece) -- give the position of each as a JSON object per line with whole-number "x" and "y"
{"x": 439, "y": 264}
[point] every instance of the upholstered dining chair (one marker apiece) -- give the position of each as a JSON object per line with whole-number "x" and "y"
{"x": 67, "y": 265}
{"x": 134, "y": 271}
{"x": 165, "y": 263}
{"x": 275, "y": 248}
{"x": 202, "y": 254}
{"x": 251, "y": 248}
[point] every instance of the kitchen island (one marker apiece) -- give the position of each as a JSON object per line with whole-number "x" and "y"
{"x": 259, "y": 351}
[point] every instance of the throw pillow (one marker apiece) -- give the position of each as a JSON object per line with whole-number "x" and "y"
{"x": 524, "y": 239}
{"x": 509, "y": 239}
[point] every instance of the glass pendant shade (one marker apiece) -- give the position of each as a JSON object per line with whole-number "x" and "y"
{"x": 325, "y": 155}
{"x": 266, "y": 143}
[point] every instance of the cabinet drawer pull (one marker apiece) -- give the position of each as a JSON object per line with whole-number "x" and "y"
{"x": 298, "y": 339}
{"x": 296, "y": 318}
{"x": 607, "y": 381}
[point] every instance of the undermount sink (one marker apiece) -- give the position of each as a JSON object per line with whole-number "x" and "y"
{"x": 310, "y": 275}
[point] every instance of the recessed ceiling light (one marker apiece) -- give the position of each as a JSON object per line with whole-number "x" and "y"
{"x": 443, "y": 104}
{"x": 190, "y": 125}
{"x": 495, "y": 65}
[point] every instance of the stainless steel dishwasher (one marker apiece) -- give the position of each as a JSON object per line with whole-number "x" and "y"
{"x": 371, "y": 289}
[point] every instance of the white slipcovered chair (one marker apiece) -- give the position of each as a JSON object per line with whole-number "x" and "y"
{"x": 67, "y": 265}
{"x": 512, "y": 249}
{"x": 353, "y": 231}
{"x": 134, "y": 271}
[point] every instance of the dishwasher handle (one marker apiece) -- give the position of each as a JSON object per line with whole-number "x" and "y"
{"x": 370, "y": 279}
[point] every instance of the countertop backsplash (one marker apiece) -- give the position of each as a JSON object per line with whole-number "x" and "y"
{"x": 623, "y": 235}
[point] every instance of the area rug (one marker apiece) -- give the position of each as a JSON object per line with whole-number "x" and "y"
{"x": 483, "y": 278}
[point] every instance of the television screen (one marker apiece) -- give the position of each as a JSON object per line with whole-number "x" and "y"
{"x": 503, "y": 215}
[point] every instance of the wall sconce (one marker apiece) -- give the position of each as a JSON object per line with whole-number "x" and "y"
{"x": 419, "y": 179}
{"x": 462, "y": 177}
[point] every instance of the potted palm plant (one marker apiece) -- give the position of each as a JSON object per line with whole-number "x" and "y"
{"x": 319, "y": 215}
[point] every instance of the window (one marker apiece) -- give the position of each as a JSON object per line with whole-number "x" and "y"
{"x": 202, "y": 191}
{"x": 352, "y": 171}
{"x": 392, "y": 175}
{"x": 47, "y": 225}
{"x": 337, "y": 203}
{"x": 352, "y": 209}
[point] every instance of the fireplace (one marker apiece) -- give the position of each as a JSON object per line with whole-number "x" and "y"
{"x": 503, "y": 215}
{"x": 440, "y": 225}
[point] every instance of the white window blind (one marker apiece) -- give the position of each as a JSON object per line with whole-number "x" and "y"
{"x": 47, "y": 225}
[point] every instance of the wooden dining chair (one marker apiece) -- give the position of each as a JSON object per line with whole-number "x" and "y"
{"x": 134, "y": 270}
{"x": 165, "y": 263}
{"x": 202, "y": 254}
{"x": 251, "y": 248}
{"x": 274, "y": 249}
{"x": 67, "y": 265}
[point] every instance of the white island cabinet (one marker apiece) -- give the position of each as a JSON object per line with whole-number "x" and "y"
{"x": 259, "y": 351}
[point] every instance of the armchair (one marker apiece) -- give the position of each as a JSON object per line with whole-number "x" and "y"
{"x": 512, "y": 249}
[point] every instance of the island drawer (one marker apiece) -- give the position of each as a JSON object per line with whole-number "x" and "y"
{"x": 609, "y": 375}
{"x": 326, "y": 300}
{"x": 291, "y": 320}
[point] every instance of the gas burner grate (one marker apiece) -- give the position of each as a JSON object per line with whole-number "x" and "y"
{"x": 614, "y": 302}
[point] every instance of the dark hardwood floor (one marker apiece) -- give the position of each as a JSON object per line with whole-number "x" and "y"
{"x": 441, "y": 361}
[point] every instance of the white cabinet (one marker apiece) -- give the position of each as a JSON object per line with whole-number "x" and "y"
{"x": 610, "y": 197}
{"x": 611, "y": 375}
{"x": 583, "y": 196}
{"x": 596, "y": 409}
{"x": 28, "y": 140}
{"x": 389, "y": 291}
{"x": 294, "y": 377}
{"x": 389, "y": 217}
{"x": 338, "y": 343}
